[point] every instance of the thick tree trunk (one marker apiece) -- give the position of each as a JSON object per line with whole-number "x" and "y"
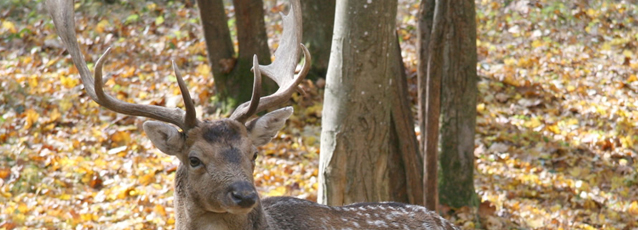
{"x": 233, "y": 79}
{"x": 360, "y": 159}
{"x": 317, "y": 33}
{"x": 458, "y": 107}
{"x": 447, "y": 89}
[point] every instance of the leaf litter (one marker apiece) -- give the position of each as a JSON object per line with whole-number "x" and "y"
{"x": 556, "y": 132}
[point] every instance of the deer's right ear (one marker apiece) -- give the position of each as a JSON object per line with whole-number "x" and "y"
{"x": 165, "y": 137}
{"x": 264, "y": 128}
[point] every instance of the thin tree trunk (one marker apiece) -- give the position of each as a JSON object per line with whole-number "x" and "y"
{"x": 233, "y": 79}
{"x": 431, "y": 25}
{"x": 458, "y": 107}
{"x": 317, "y": 33}
{"x": 358, "y": 160}
{"x": 447, "y": 93}
{"x": 403, "y": 124}
{"x": 218, "y": 42}
{"x": 252, "y": 39}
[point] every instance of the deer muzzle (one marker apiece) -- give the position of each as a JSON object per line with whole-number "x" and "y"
{"x": 243, "y": 194}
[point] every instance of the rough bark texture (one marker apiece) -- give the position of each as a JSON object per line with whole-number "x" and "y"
{"x": 431, "y": 26}
{"x": 317, "y": 33}
{"x": 447, "y": 91}
{"x": 233, "y": 79}
{"x": 403, "y": 133}
{"x": 458, "y": 106}
{"x": 360, "y": 159}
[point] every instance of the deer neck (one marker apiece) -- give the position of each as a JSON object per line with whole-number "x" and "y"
{"x": 189, "y": 215}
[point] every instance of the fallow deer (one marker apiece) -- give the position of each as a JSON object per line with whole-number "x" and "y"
{"x": 214, "y": 186}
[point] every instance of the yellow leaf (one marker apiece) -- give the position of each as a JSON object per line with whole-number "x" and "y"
{"x": 554, "y": 129}
{"x": 535, "y": 222}
{"x": 533, "y": 123}
{"x": 525, "y": 62}
{"x": 633, "y": 208}
{"x": 31, "y": 117}
{"x": 480, "y": 107}
{"x": 627, "y": 53}
{"x": 65, "y": 197}
{"x": 130, "y": 71}
{"x": 159, "y": 209}
{"x": 27, "y": 60}
{"x": 632, "y": 78}
{"x": 33, "y": 81}
{"x": 279, "y": 191}
{"x": 121, "y": 137}
{"x": 54, "y": 115}
{"x": 22, "y": 208}
{"x": 159, "y": 20}
{"x": 510, "y": 61}
{"x": 65, "y": 104}
{"x": 147, "y": 178}
{"x": 537, "y": 43}
{"x": 203, "y": 70}
{"x": 575, "y": 172}
{"x": 7, "y": 25}
{"x": 69, "y": 82}
{"x": 101, "y": 25}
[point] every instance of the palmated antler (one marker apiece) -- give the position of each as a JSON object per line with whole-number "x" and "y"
{"x": 62, "y": 13}
{"x": 282, "y": 70}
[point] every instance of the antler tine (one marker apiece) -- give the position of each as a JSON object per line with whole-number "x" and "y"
{"x": 282, "y": 70}
{"x": 190, "y": 119}
{"x": 62, "y": 13}
{"x": 243, "y": 114}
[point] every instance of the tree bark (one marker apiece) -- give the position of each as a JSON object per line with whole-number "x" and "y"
{"x": 360, "y": 159}
{"x": 447, "y": 90}
{"x": 431, "y": 26}
{"x": 458, "y": 107}
{"x": 317, "y": 33}
{"x": 219, "y": 45}
{"x": 233, "y": 79}
{"x": 403, "y": 133}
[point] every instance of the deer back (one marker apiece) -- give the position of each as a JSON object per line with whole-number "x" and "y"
{"x": 293, "y": 213}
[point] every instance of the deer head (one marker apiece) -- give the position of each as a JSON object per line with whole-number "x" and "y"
{"x": 217, "y": 157}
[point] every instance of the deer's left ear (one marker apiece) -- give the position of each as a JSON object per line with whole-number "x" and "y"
{"x": 264, "y": 128}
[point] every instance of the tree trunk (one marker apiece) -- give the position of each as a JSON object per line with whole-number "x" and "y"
{"x": 219, "y": 45}
{"x": 448, "y": 90}
{"x": 458, "y": 107}
{"x": 360, "y": 157}
{"x": 431, "y": 26}
{"x": 233, "y": 79}
{"x": 317, "y": 33}
{"x": 403, "y": 133}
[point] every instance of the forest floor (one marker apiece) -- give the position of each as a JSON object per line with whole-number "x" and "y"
{"x": 556, "y": 137}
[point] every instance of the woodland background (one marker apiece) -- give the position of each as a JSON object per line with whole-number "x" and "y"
{"x": 556, "y": 141}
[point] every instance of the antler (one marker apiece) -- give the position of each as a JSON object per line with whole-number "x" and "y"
{"x": 282, "y": 70}
{"x": 62, "y": 13}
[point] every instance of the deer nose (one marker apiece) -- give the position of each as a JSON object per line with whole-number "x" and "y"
{"x": 243, "y": 194}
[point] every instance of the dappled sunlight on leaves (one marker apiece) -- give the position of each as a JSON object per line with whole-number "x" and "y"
{"x": 67, "y": 163}
{"x": 556, "y": 138}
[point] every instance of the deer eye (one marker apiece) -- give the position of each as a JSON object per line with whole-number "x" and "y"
{"x": 254, "y": 156}
{"x": 194, "y": 162}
